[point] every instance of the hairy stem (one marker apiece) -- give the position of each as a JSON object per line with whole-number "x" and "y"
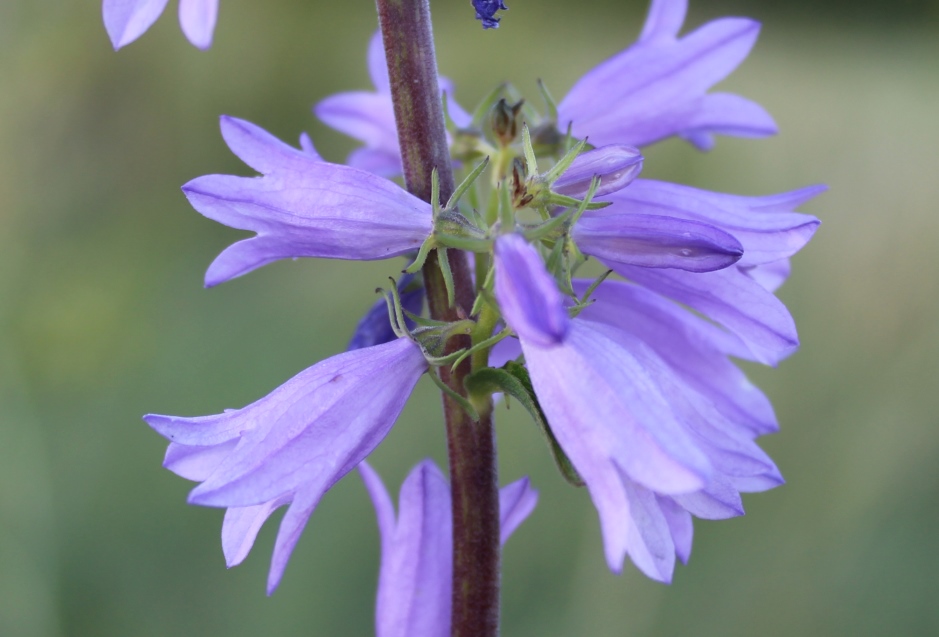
{"x": 412, "y": 68}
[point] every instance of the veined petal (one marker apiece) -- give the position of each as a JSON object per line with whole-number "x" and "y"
{"x": 656, "y": 88}
{"x": 664, "y": 20}
{"x": 527, "y": 295}
{"x": 604, "y": 408}
{"x": 197, "y": 19}
{"x": 347, "y": 405}
{"x": 616, "y": 165}
{"x": 416, "y": 572}
{"x": 649, "y": 538}
{"x": 262, "y": 151}
{"x": 680, "y": 526}
{"x": 767, "y": 227}
{"x": 368, "y": 117}
{"x": 127, "y": 20}
{"x": 415, "y": 580}
{"x": 194, "y": 462}
{"x": 516, "y": 502}
{"x": 731, "y": 298}
{"x": 377, "y": 64}
{"x": 654, "y": 241}
{"x": 304, "y": 207}
{"x": 241, "y": 526}
{"x": 727, "y": 114}
{"x": 696, "y": 349}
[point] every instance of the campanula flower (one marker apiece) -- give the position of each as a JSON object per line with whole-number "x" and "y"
{"x": 127, "y": 20}
{"x": 303, "y": 206}
{"x": 658, "y": 87}
{"x": 415, "y": 581}
{"x": 292, "y": 445}
{"x": 486, "y": 12}
{"x": 656, "y": 436}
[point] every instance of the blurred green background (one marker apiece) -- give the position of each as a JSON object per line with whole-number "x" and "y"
{"x": 103, "y": 318}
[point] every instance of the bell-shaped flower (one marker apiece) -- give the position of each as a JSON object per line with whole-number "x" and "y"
{"x": 654, "y": 443}
{"x": 658, "y": 87}
{"x": 763, "y": 232}
{"x": 415, "y": 581}
{"x": 302, "y": 206}
{"x": 127, "y": 20}
{"x": 369, "y": 116}
{"x": 292, "y": 445}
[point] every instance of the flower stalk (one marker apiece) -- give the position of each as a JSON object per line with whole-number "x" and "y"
{"x": 412, "y": 69}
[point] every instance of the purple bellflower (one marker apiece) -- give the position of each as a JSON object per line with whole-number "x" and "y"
{"x": 652, "y": 90}
{"x": 658, "y": 87}
{"x": 657, "y": 432}
{"x": 292, "y": 445}
{"x": 415, "y": 581}
{"x": 369, "y": 116}
{"x": 302, "y": 206}
{"x": 486, "y": 12}
{"x": 127, "y": 20}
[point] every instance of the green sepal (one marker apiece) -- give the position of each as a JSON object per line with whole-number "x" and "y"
{"x": 513, "y": 380}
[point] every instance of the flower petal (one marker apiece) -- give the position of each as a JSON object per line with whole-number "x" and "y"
{"x": 654, "y": 241}
{"x": 649, "y": 538}
{"x": 127, "y": 20}
{"x": 616, "y": 165}
{"x": 194, "y": 462}
{"x": 696, "y": 349}
{"x": 347, "y": 405}
{"x": 527, "y": 295}
{"x": 241, "y": 526}
{"x": 767, "y": 227}
{"x": 416, "y": 571}
{"x": 656, "y": 88}
{"x": 516, "y": 502}
{"x": 197, "y": 19}
{"x": 262, "y": 151}
{"x": 304, "y": 208}
{"x": 680, "y": 526}
{"x": 731, "y": 298}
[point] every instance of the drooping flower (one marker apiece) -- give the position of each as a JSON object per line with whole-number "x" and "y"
{"x": 415, "y": 581}
{"x": 656, "y": 432}
{"x": 369, "y": 116}
{"x": 658, "y": 87}
{"x": 765, "y": 230}
{"x": 302, "y": 206}
{"x": 486, "y": 12}
{"x": 127, "y": 20}
{"x": 292, "y": 445}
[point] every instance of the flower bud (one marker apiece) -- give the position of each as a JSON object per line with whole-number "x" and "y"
{"x": 616, "y": 165}
{"x": 505, "y": 120}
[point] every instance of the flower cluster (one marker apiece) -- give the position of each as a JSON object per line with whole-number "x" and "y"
{"x": 631, "y": 378}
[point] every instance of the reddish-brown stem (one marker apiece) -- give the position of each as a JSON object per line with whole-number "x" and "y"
{"x": 412, "y": 68}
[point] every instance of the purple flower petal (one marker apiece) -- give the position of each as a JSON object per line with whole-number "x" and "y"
{"x": 303, "y": 207}
{"x": 293, "y": 444}
{"x": 369, "y": 116}
{"x": 197, "y": 19}
{"x": 653, "y": 241}
{"x": 679, "y": 525}
{"x": 664, "y": 20}
{"x": 731, "y": 298}
{"x": 767, "y": 227}
{"x": 656, "y": 88}
{"x": 696, "y": 349}
{"x": 649, "y": 538}
{"x": 127, "y": 20}
{"x": 616, "y": 165}
{"x": 415, "y": 581}
{"x": 262, "y": 151}
{"x": 527, "y": 295}
{"x": 516, "y": 502}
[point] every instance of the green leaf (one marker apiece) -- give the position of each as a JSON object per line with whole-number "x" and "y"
{"x": 512, "y": 379}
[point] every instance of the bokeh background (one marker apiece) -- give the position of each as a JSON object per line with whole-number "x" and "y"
{"x": 103, "y": 318}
